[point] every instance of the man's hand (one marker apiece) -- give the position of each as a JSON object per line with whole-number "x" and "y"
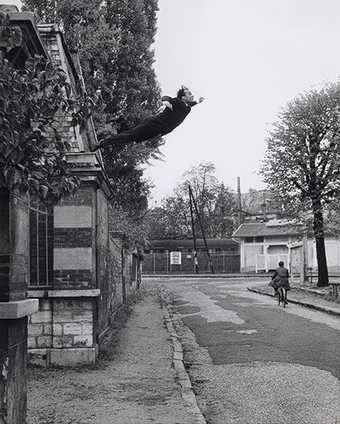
{"x": 200, "y": 100}
{"x": 167, "y": 104}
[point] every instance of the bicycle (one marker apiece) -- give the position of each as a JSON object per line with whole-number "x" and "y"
{"x": 282, "y": 296}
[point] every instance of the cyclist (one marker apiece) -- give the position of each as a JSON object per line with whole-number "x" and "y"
{"x": 280, "y": 278}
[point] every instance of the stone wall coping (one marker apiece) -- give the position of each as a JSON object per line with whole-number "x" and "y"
{"x": 74, "y": 293}
{"x": 18, "y": 309}
{"x": 36, "y": 293}
{"x": 63, "y": 293}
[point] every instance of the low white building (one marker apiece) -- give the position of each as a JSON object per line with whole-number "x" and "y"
{"x": 264, "y": 244}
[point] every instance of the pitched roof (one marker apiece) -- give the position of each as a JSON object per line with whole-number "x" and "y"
{"x": 182, "y": 243}
{"x": 271, "y": 228}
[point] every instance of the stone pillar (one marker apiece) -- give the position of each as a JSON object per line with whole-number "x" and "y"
{"x": 14, "y": 307}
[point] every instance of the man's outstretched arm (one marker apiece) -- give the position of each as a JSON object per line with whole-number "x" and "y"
{"x": 196, "y": 102}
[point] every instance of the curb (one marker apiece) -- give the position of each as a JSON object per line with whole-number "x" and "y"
{"x": 297, "y": 302}
{"x": 311, "y": 291}
{"x": 182, "y": 376}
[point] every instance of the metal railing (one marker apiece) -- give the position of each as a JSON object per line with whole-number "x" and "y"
{"x": 223, "y": 262}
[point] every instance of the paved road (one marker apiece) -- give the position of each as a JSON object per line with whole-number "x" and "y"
{"x": 256, "y": 363}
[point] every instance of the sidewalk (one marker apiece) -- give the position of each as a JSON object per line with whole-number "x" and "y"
{"x": 305, "y": 296}
{"x": 143, "y": 382}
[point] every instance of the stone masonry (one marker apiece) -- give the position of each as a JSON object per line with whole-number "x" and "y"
{"x": 78, "y": 305}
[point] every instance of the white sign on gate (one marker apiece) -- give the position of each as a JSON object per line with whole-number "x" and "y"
{"x": 175, "y": 258}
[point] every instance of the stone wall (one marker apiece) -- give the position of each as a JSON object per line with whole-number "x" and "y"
{"x": 40, "y": 326}
{"x": 61, "y": 333}
{"x": 87, "y": 291}
{"x": 78, "y": 306}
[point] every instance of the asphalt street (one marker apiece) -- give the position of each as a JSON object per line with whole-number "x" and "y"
{"x": 263, "y": 364}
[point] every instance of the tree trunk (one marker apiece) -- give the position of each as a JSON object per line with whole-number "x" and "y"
{"x": 318, "y": 226}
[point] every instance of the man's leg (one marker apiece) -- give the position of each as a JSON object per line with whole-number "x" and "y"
{"x": 122, "y": 138}
{"x": 142, "y": 132}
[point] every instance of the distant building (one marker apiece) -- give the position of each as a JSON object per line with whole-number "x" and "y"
{"x": 159, "y": 258}
{"x": 264, "y": 244}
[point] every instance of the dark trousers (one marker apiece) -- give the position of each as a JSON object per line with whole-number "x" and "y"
{"x": 146, "y": 130}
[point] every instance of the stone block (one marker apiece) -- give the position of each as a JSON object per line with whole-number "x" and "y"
{"x": 73, "y": 259}
{"x": 34, "y": 294}
{"x": 41, "y": 316}
{"x": 73, "y": 357}
{"x": 38, "y": 357}
{"x": 62, "y": 316}
{"x": 63, "y": 341}
{"x": 31, "y": 342}
{"x": 44, "y": 305}
{"x": 18, "y": 309}
{"x": 35, "y": 329}
{"x": 76, "y": 294}
{"x": 83, "y": 341}
{"x": 72, "y": 237}
{"x": 57, "y": 330}
{"x": 86, "y": 305}
{"x": 86, "y": 316}
{"x": 44, "y": 341}
{"x": 72, "y": 328}
{"x": 59, "y": 305}
{"x": 47, "y": 329}
{"x": 87, "y": 328}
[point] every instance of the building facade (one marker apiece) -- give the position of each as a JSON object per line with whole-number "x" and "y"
{"x": 73, "y": 267}
{"x": 81, "y": 287}
{"x": 264, "y": 244}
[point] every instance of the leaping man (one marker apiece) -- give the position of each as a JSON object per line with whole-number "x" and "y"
{"x": 175, "y": 111}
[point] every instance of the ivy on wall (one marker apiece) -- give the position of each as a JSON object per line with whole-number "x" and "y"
{"x": 33, "y": 101}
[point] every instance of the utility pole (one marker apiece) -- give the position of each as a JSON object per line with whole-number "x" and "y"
{"x": 264, "y": 207}
{"x": 196, "y": 267}
{"x": 239, "y": 203}
{"x": 202, "y": 230}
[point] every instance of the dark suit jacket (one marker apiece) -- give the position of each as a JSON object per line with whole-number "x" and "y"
{"x": 281, "y": 277}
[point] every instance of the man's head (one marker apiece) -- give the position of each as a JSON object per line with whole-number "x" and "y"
{"x": 185, "y": 94}
{"x": 281, "y": 263}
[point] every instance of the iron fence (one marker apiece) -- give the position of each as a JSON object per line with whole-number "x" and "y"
{"x": 223, "y": 262}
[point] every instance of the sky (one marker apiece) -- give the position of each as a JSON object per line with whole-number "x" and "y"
{"x": 248, "y": 58}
